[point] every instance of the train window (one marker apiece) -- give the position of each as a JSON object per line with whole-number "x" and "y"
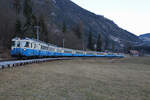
{"x": 34, "y": 46}
{"x": 22, "y": 44}
{"x": 51, "y": 49}
{"x": 44, "y": 47}
{"x": 18, "y": 44}
{"x": 79, "y": 52}
{"x": 59, "y": 50}
{"x": 13, "y": 43}
{"x": 99, "y": 53}
{"x": 27, "y": 44}
{"x": 67, "y": 51}
{"x": 90, "y": 53}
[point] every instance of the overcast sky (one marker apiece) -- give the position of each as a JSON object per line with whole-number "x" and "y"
{"x": 132, "y": 15}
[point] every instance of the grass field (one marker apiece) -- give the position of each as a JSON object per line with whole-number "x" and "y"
{"x": 79, "y": 79}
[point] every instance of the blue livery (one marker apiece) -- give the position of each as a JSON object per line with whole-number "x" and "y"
{"x": 32, "y": 48}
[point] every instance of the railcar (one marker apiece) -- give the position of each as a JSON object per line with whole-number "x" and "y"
{"x": 34, "y": 48}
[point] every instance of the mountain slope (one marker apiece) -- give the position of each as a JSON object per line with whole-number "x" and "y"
{"x": 145, "y": 38}
{"x": 145, "y": 35}
{"x": 56, "y": 12}
{"x": 98, "y": 24}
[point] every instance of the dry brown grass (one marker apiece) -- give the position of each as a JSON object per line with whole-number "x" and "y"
{"x": 79, "y": 79}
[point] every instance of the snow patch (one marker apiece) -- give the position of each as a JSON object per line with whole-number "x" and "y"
{"x": 115, "y": 39}
{"x": 53, "y": 14}
{"x": 146, "y": 38}
{"x": 54, "y": 1}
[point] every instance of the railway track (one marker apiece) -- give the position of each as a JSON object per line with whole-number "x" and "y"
{"x": 9, "y": 64}
{"x": 13, "y": 62}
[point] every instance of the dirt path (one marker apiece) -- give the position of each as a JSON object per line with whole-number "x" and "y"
{"x": 89, "y": 79}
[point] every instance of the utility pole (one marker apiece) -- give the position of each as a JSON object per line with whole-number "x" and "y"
{"x": 37, "y": 32}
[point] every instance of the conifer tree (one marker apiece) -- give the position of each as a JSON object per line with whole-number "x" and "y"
{"x": 34, "y": 24}
{"x": 18, "y": 30}
{"x": 106, "y": 44}
{"x": 78, "y": 30}
{"x": 34, "y": 20}
{"x": 90, "y": 42}
{"x": 17, "y": 6}
{"x": 128, "y": 47}
{"x": 64, "y": 30}
{"x": 18, "y": 24}
{"x": 30, "y": 19}
{"x": 43, "y": 29}
{"x": 99, "y": 43}
{"x": 27, "y": 12}
{"x": 113, "y": 46}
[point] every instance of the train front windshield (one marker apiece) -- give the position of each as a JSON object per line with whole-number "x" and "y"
{"x": 21, "y": 44}
{"x": 13, "y": 44}
{"x": 24, "y": 44}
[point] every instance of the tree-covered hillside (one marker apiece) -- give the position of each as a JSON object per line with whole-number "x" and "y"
{"x": 60, "y": 20}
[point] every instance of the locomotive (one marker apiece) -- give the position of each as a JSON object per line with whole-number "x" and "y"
{"x": 28, "y": 47}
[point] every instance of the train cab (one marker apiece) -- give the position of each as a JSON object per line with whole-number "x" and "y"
{"x": 21, "y": 47}
{"x": 16, "y": 47}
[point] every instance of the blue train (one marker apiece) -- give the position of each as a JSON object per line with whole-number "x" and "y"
{"x": 33, "y": 48}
